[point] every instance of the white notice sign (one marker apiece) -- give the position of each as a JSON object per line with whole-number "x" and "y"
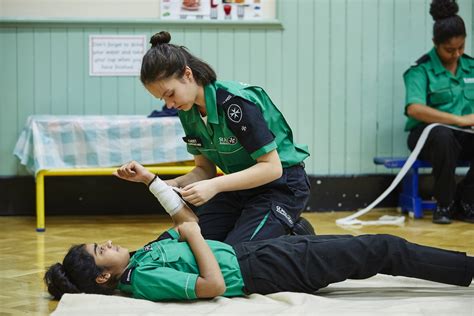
{"x": 116, "y": 55}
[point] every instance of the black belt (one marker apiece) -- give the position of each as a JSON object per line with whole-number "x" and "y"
{"x": 299, "y": 164}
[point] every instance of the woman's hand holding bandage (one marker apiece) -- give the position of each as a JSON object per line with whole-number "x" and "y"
{"x": 198, "y": 193}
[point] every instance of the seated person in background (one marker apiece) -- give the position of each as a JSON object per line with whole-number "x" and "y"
{"x": 181, "y": 265}
{"x": 440, "y": 89}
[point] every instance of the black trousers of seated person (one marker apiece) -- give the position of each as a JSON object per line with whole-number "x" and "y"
{"x": 307, "y": 263}
{"x": 443, "y": 149}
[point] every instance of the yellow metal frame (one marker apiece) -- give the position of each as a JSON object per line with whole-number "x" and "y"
{"x": 40, "y": 209}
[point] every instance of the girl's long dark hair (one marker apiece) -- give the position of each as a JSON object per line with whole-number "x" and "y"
{"x": 164, "y": 60}
{"x": 76, "y": 274}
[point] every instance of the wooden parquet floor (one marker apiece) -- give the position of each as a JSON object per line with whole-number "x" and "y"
{"x": 25, "y": 253}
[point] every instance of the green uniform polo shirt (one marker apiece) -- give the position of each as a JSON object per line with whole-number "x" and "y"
{"x": 242, "y": 125}
{"x": 429, "y": 83}
{"x": 167, "y": 270}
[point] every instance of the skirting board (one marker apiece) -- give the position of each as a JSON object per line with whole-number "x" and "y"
{"x": 108, "y": 195}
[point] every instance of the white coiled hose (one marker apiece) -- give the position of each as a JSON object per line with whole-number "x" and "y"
{"x": 386, "y": 219}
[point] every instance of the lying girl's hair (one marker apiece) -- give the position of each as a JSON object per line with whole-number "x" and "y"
{"x": 76, "y": 274}
{"x": 164, "y": 60}
{"x": 447, "y": 23}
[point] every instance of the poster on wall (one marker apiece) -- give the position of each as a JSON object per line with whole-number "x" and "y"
{"x": 116, "y": 55}
{"x": 224, "y": 10}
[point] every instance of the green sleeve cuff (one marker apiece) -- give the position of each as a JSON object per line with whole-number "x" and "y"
{"x": 415, "y": 100}
{"x": 190, "y": 286}
{"x": 263, "y": 150}
{"x": 193, "y": 151}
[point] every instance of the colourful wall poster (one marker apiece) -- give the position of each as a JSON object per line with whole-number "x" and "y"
{"x": 236, "y": 10}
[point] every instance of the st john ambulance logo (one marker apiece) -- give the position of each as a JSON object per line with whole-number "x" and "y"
{"x": 232, "y": 140}
{"x": 234, "y": 112}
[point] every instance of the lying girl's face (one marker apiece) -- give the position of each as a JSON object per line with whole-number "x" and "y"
{"x": 113, "y": 257}
{"x": 177, "y": 93}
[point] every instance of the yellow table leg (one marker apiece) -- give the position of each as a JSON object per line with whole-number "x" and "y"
{"x": 40, "y": 202}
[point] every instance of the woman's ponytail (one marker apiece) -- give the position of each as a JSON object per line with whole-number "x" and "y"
{"x": 164, "y": 60}
{"x": 447, "y": 23}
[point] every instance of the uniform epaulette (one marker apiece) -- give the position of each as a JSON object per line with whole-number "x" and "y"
{"x": 126, "y": 277}
{"x": 467, "y": 56}
{"x": 222, "y": 96}
{"x": 422, "y": 59}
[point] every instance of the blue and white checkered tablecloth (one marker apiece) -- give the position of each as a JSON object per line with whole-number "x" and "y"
{"x": 69, "y": 141}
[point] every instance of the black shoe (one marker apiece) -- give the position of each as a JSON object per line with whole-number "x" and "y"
{"x": 465, "y": 212}
{"x": 302, "y": 227}
{"x": 442, "y": 214}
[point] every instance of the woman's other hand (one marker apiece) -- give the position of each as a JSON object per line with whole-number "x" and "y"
{"x": 466, "y": 120}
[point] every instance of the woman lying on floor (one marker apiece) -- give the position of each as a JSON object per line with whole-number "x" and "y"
{"x": 181, "y": 265}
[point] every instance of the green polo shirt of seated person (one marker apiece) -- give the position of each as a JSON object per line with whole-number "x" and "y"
{"x": 429, "y": 83}
{"x": 167, "y": 270}
{"x": 242, "y": 125}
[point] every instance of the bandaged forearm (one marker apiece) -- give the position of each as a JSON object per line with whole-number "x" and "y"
{"x": 169, "y": 199}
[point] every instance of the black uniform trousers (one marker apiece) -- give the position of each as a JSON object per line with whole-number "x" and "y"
{"x": 260, "y": 213}
{"x": 443, "y": 149}
{"x": 308, "y": 263}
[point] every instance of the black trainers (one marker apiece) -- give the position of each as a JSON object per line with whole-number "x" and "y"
{"x": 465, "y": 212}
{"x": 442, "y": 214}
{"x": 302, "y": 227}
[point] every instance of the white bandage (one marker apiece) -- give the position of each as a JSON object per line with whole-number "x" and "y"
{"x": 169, "y": 199}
